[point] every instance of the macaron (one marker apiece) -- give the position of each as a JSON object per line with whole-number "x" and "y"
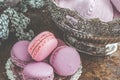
{"x": 65, "y": 60}
{"x": 42, "y": 45}
{"x": 19, "y": 53}
{"x": 116, "y": 3}
{"x": 38, "y": 71}
{"x": 89, "y": 8}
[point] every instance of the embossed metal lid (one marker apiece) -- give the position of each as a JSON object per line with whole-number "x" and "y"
{"x": 89, "y": 31}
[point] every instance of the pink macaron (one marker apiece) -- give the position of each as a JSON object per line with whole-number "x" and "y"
{"x": 60, "y": 43}
{"x": 116, "y": 3}
{"x": 65, "y": 60}
{"x": 19, "y": 54}
{"x": 88, "y": 9}
{"x": 38, "y": 71}
{"x": 42, "y": 45}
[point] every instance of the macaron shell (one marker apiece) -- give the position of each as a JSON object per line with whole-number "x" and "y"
{"x": 18, "y": 62}
{"x": 19, "y": 50}
{"x": 42, "y": 45}
{"x": 65, "y": 61}
{"x": 116, "y": 3}
{"x": 37, "y": 40}
{"x": 46, "y": 49}
{"x": 20, "y": 55}
{"x": 39, "y": 70}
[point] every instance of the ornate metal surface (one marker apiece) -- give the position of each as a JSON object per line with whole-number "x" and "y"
{"x": 92, "y": 31}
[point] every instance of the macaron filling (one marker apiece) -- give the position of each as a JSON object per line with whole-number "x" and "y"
{"x": 37, "y": 47}
{"x": 18, "y": 62}
{"x": 38, "y": 41}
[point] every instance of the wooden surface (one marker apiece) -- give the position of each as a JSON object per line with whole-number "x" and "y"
{"x": 94, "y": 68}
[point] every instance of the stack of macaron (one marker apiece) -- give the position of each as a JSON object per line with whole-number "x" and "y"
{"x": 102, "y": 9}
{"x": 43, "y": 57}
